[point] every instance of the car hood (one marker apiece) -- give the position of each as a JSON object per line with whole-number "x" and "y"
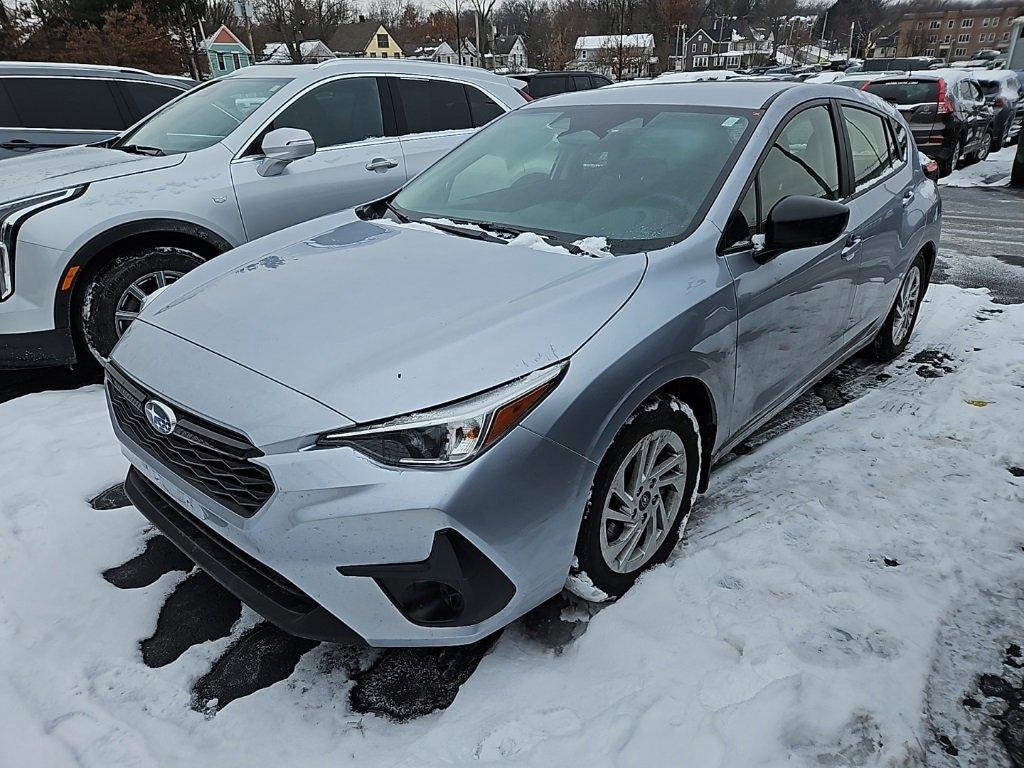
{"x": 56, "y": 169}
{"x": 375, "y": 319}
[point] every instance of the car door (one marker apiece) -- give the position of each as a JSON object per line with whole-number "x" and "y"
{"x": 358, "y": 157}
{"x": 792, "y": 308}
{"x": 882, "y": 182}
{"x": 973, "y": 115}
{"x": 434, "y": 116}
{"x": 52, "y": 112}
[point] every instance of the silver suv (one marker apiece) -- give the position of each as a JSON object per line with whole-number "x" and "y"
{"x": 88, "y": 233}
{"x": 49, "y": 106}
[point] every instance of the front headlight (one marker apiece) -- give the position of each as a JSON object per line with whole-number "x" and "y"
{"x": 451, "y": 434}
{"x": 12, "y": 214}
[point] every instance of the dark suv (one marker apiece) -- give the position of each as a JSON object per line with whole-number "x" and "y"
{"x": 47, "y": 106}
{"x": 947, "y": 112}
{"x": 549, "y": 83}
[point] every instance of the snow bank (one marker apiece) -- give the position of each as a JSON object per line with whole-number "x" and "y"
{"x": 993, "y": 171}
{"x": 803, "y": 621}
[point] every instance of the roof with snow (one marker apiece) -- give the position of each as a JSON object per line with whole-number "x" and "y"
{"x": 596, "y": 42}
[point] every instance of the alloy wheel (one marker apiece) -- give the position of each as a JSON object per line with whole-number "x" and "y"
{"x": 643, "y": 501}
{"x": 131, "y": 301}
{"x": 986, "y": 146}
{"x": 906, "y": 305}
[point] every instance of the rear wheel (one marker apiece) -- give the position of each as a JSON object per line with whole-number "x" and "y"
{"x": 949, "y": 165}
{"x": 893, "y": 337}
{"x": 641, "y": 496}
{"x": 981, "y": 153}
{"x": 116, "y": 293}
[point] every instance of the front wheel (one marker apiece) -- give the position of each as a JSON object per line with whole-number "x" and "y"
{"x": 642, "y": 494}
{"x": 895, "y": 333}
{"x": 116, "y": 293}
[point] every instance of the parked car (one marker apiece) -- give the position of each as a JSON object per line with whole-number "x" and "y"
{"x": 48, "y": 106}
{"x": 90, "y": 232}
{"x": 1003, "y": 93}
{"x": 540, "y": 84}
{"x": 907, "y": 64}
{"x": 947, "y": 112}
{"x": 409, "y": 423}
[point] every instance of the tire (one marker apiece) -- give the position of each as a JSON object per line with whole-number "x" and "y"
{"x": 108, "y": 292}
{"x": 981, "y": 153}
{"x": 896, "y": 332}
{"x": 1017, "y": 170}
{"x": 672, "y": 422}
{"x": 946, "y": 167}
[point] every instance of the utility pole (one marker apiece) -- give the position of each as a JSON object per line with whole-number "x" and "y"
{"x": 458, "y": 32}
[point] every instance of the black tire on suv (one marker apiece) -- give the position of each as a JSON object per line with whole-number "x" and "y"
{"x": 116, "y": 292}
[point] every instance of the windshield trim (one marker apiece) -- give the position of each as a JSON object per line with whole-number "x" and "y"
{"x": 621, "y": 246}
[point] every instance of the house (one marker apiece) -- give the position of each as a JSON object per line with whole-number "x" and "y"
{"x": 600, "y": 53}
{"x": 225, "y": 52}
{"x": 365, "y": 38}
{"x": 730, "y": 44}
{"x": 958, "y": 32}
{"x": 885, "y": 47}
{"x": 509, "y": 54}
{"x": 443, "y": 53}
{"x": 311, "y": 51}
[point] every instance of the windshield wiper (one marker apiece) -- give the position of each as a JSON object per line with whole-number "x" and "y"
{"x": 397, "y": 214}
{"x": 454, "y": 229}
{"x": 513, "y": 232}
{"x": 139, "y": 149}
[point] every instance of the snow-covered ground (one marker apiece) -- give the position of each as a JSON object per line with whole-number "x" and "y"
{"x": 836, "y": 594}
{"x": 993, "y": 171}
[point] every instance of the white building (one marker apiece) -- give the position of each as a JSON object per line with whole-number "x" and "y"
{"x": 600, "y": 53}
{"x": 312, "y": 52}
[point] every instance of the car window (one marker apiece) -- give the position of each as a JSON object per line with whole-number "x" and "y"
{"x": 148, "y": 97}
{"x": 205, "y": 115}
{"x": 339, "y": 112}
{"x": 803, "y": 160}
{"x": 582, "y": 82}
{"x": 599, "y": 81}
{"x": 8, "y": 117}
{"x": 482, "y": 107}
{"x": 433, "y": 105}
{"x": 70, "y": 103}
{"x": 905, "y": 92}
{"x": 745, "y": 220}
{"x": 549, "y": 86}
{"x": 869, "y": 145}
{"x": 900, "y": 138}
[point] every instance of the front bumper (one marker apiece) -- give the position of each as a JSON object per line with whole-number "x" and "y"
{"x": 361, "y": 550}
{"x": 37, "y": 349}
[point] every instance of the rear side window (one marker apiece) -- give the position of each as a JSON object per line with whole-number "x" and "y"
{"x": 8, "y": 118}
{"x": 148, "y": 97}
{"x": 433, "y": 105}
{"x": 70, "y": 103}
{"x": 481, "y": 107}
{"x": 600, "y": 81}
{"x": 906, "y": 91}
{"x": 549, "y": 86}
{"x": 989, "y": 87}
{"x": 582, "y": 82}
{"x": 869, "y": 144}
{"x": 339, "y": 112}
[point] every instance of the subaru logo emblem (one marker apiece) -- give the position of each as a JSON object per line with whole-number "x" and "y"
{"x": 160, "y": 417}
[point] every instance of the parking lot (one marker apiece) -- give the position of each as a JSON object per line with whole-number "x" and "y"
{"x": 867, "y": 537}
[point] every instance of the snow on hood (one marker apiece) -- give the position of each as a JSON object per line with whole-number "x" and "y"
{"x": 376, "y": 320}
{"x": 56, "y": 169}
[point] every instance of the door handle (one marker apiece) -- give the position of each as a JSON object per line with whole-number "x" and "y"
{"x": 908, "y": 198}
{"x": 381, "y": 164}
{"x": 852, "y": 246}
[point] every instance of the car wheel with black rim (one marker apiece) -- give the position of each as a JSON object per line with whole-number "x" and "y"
{"x": 641, "y": 497}
{"x": 984, "y": 147}
{"x": 895, "y": 333}
{"x": 949, "y": 165}
{"x": 116, "y": 293}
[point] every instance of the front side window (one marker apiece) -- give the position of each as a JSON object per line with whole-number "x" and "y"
{"x": 548, "y": 86}
{"x": 582, "y": 82}
{"x": 803, "y": 160}
{"x": 433, "y": 105}
{"x": 81, "y": 104}
{"x": 638, "y": 175}
{"x": 203, "y": 116}
{"x": 869, "y": 145}
{"x": 339, "y": 112}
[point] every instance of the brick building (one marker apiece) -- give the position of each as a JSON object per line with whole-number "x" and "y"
{"x": 958, "y": 33}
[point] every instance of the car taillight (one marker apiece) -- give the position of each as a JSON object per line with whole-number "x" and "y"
{"x": 945, "y": 105}
{"x": 524, "y": 94}
{"x": 999, "y": 101}
{"x": 867, "y": 84}
{"x": 930, "y": 167}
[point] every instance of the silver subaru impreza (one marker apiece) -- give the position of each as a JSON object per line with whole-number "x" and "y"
{"x": 412, "y": 422}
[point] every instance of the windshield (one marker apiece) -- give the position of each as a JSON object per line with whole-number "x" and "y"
{"x": 202, "y": 117}
{"x": 907, "y": 91}
{"x": 990, "y": 87}
{"x": 632, "y": 174}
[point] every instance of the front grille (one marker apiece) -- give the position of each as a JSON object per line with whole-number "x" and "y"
{"x": 210, "y": 458}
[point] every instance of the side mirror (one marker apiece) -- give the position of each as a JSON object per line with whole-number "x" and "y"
{"x": 799, "y": 221}
{"x": 282, "y": 146}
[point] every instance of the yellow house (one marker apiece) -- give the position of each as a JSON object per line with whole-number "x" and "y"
{"x": 365, "y": 38}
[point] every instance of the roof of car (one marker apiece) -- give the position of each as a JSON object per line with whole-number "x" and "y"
{"x": 708, "y": 93}
{"x": 89, "y": 70}
{"x": 360, "y": 65}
